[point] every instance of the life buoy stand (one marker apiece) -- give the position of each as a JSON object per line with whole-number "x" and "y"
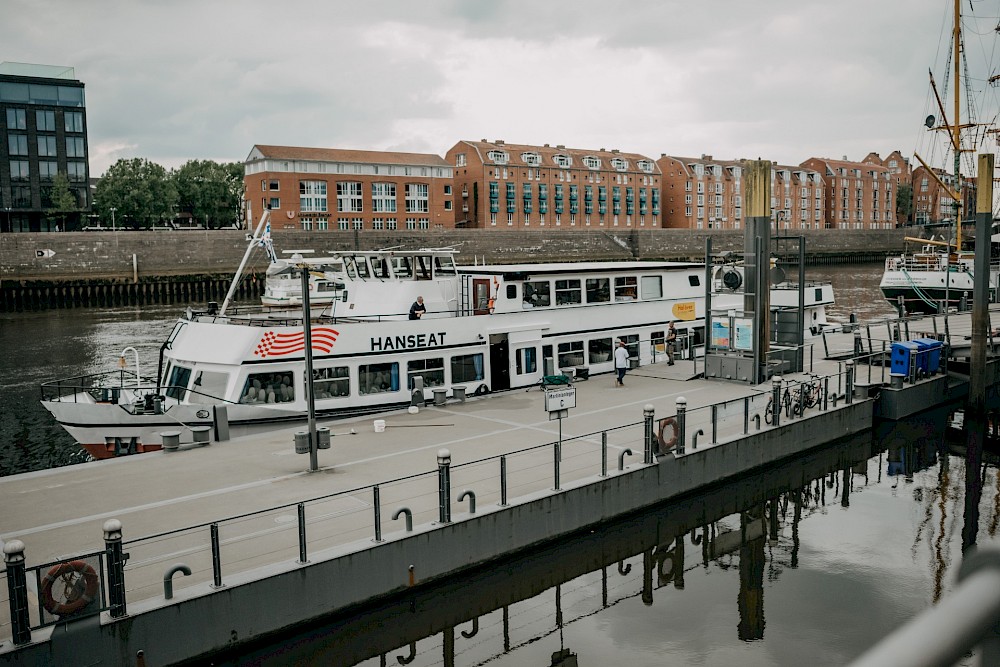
{"x": 667, "y": 445}
{"x": 79, "y": 587}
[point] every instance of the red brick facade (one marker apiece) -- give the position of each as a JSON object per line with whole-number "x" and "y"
{"x": 858, "y": 195}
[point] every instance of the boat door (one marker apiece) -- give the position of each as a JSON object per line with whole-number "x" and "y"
{"x": 480, "y": 296}
{"x": 499, "y": 360}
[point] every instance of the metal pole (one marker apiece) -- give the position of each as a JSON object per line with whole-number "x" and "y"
{"x": 216, "y": 556}
{"x": 377, "y": 505}
{"x": 503, "y": 481}
{"x": 604, "y": 453}
{"x": 776, "y": 400}
{"x": 715, "y": 421}
{"x": 444, "y": 485}
{"x": 555, "y": 462}
{"x": 246, "y": 255}
{"x": 116, "y": 567}
{"x": 301, "y": 511}
{"x": 310, "y": 397}
{"x": 647, "y": 415}
{"x": 850, "y": 381}
{"x": 17, "y": 591}
{"x": 681, "y": 404}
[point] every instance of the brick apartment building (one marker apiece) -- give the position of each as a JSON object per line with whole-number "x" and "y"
{"x": 44, "y": 121}
{"x": 931, "y": 202}
{"x": 517, "y": 186}
{"x": 330, "y": 188}
{"x": 705, "y": 193}
{"x": 902, "y": 174}
{"x": 858, "y": 195}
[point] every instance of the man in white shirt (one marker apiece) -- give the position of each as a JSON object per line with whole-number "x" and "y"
{"x": 621, "y": 361}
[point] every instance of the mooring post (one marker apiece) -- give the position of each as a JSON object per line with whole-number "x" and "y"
{"x": 681, "y": 404}
{"x": 116, "y": 567}
{"x": 647, "y": 415}
{"x": 444, "y": 486}
{"x": 776, "y": 400}
{"x": 850, "y": 381}
{"x": 17, "y": 591}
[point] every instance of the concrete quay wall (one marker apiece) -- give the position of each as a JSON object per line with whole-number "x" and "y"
{"x": 202, "y": 620}
{"x": 121, "y": 256}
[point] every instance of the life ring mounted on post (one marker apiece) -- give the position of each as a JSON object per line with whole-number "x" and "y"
{"x": 79, "y": 586}
{"x": 667, "y": 445}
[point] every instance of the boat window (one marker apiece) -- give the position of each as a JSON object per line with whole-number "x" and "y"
{"x": 328, "y": 286}
{"x": 626, "y": 288}
{"x": 819, "y": 295}
{"x": 444, "y": 266}
{"x": 423, "y": 268}
{"x": 694, "y": 280}
{"x": 431, "y": 370}
{"x": 511, "y": 291}
{"x": 526, "y": 360}
{"x": 378, "y": 378}
{"x": 536, "y": 294}
{"x": 658, "y": 342}
{"x": 210, "y": 384}
{"x": 571, "y": 354}
{"x": 380, "y": 268}
{"x": 402, "y": 268}
{"x": 178, "y": 382}
{"x": 568, "y": 292}
{"x": 331, "y": 382}
{"x": 268, "y": 388}
{"x": 466, "y": 368}
{"x": 631, "y": 344}
{"x": 652, "y": 287}
{"x": 361, "y": 263}
{"x": 598, "y": 290}
{"x": 599, "y": 350}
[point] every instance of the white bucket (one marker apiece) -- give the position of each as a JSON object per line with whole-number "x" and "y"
{"x": 379, "y": 425}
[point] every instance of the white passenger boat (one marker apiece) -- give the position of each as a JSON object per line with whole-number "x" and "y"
{"x": 486, "y": 328}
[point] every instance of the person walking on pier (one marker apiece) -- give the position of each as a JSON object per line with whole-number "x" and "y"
{"x": 418, "y": 309}
{"x": 621, "y": 362}
{"x": 671, "y": 342}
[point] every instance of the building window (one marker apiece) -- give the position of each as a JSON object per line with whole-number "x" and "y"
{"x": 563, "y": 161}
{"x": 377, "y": 223}
{"x": 357, "y": 223}
{"x": 323, "y": 225}
{"x": 272, "y": 185}
{"x": 390, "y": 223}
{"x": 424, "y": 223}
{"x": 47, "y": 170}
{"x": 19, "y": 170}
{"x": 306, "y": 223}
{"x": 383, "y": 197}
{"x": 17, "y": 144}
{"x": 73, "y": 121}
{"x": 619, "y": 164}
{"x": 447, "y": 189}
{"x": 47, "y": 146}
{"x": 343, "y": 224}
{"x": 45, "y": 121}
{"x": 312, "y": 196}
{"x": 274, "y": 203}
{"x": 497, "y": 157}
{"x": 16, "y": 119}
{"x": 531, "y": 159}
{"x": 416, "y": 198}
{"x": 460, "y": 159}
{"x": 349, "y": 197}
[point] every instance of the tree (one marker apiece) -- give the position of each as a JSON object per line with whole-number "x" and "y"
{"x": 212, "y": 193}
{"x": 140, "y": 191}
{"x": 63, "y": 199}
{"x": 904, "y": 203}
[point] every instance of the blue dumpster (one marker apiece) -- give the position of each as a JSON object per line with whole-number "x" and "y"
{"x": 901, "y": 357}
{"x": 929, "y": 355}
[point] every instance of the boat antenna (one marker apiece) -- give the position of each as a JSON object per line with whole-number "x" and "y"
{"x": 255, "y": 240}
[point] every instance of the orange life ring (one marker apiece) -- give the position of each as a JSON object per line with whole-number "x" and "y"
{"x": 80, "y": 585}
{"x": 667, "y": 445}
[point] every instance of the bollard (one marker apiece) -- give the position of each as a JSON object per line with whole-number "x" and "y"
{"x": 471, "y": 495}
{"x": 323, "y": 437}
{"x": 168, "y": 579}
{"x": 647, "y": 415}
{"x": 116, "y": 567}
{"x": 681, "y": 404}
{"x": 171, "y": 440}
{"x": 776, "y": 400}
{"x": 201, "y": 434}
{"x": 444, "y": 486}
{"x": 440, "y": 395}
{"x": 458, "y": 391}
{"x": 407, "y": 515}
{"x": 17, "y": 591}
{"x": 850, "y": 381}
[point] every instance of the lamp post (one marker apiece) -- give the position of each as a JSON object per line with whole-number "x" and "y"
{"x": 307, "y": 335}
{"x": 113, "y": 209}
{"x": 9, "y": 228}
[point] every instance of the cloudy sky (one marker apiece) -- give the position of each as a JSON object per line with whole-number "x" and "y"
{"x": 173, "y": 80}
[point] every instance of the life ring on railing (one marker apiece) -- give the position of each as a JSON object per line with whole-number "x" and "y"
{"x": 80, "y": 584}
{"x": 667, "y": 445}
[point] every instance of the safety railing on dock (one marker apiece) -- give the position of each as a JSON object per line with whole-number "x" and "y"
{"x": 222, "y": 550}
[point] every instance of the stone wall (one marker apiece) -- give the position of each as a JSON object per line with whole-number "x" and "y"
{"x": 90, "y": 256}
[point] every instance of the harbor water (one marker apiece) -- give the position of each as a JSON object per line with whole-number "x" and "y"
{"x": 807, "y": 563}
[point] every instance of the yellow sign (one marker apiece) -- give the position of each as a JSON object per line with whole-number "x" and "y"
{"x": 684, "y": 310}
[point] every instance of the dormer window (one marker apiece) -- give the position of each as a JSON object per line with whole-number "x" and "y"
{"x": 531, "y": 159}
{"x": 619, "y": 164}
{"x": 497, "y": 157}
{"x": 591, "y": 162}
{"x": 645, "y": 165}
{"x": 562, "y": 160}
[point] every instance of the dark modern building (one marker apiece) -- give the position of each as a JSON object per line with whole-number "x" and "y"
{"x": 44, "y": 120}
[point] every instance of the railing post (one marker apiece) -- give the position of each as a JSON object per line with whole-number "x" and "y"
{"x": 850, "y": 381}
{"x": 503, "y": 481}
{"x": 776, "y": 400}
{"x": 715, "y": 421}
{"x": 826, "y": 393}
{"x": 604, "y": 453}
{"x": 216, "y": 556}
{"x": 116, "y": 567}
{"x": 17, "y": 591}
{"x": 444, "y": 486}
{"x": 647, "y": 415}
{"x": 681, "y": 404}
{"x": 746, "y": 416}
{"x": 301, "y": 511}
{"x": 377, "y": 505}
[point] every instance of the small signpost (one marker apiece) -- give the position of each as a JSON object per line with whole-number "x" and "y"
{"x": 557, "y": 404}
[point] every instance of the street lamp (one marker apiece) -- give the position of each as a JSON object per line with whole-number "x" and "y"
{"x": 9, "y": 228}
{"x": 113, "y": 209}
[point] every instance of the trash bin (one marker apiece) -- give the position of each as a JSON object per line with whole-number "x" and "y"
{"x": 901, "y": 356}
{"x": 929, "y": 355}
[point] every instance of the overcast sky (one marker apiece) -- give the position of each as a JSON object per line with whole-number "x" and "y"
{"x": 173, "y": 80}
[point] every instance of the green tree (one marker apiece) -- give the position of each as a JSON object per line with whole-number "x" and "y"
{"x": 212, "y": 193}
{"x": 140, "y": 191}
{"x": 63, "y": 200}
{"x": 904, "y": 203}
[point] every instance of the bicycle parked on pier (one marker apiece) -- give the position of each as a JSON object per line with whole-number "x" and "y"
{"x": 808, "y": 394}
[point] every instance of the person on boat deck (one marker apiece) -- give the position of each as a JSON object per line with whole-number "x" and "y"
{"x": 671, "y": 342}
{"x": 418, "y": 309}
{"x": 621, "y": 362}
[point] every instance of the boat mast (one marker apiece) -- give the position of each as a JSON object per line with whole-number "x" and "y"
{"x": 956, "y": 125}
{"x": 239, "y": 271}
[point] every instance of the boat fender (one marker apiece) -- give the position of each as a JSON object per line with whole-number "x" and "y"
{"x": 667, "y": 445}
{"x": 79, "y": 590}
